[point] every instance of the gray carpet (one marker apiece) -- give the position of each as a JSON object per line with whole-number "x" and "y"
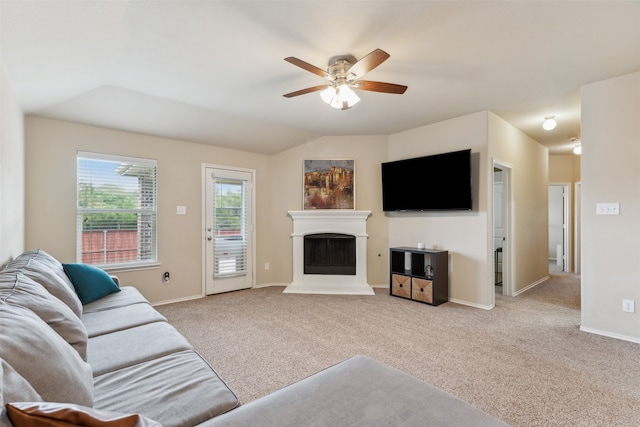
{"x": 525, "y": 362}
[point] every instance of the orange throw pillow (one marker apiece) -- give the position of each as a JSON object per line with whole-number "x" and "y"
{"x": 51, "y": 414}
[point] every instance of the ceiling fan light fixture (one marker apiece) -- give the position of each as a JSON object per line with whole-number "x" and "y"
{"x": 328, "y": 94}
{"x": 344, "y": 76}
{"x": 341, "y": 97}
{"x": 549, "y": 123}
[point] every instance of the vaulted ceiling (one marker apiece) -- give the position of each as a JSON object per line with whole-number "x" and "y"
{"x": 213, "y": 71}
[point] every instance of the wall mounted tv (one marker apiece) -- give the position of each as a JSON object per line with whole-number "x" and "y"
{"x": 430, "y": 183}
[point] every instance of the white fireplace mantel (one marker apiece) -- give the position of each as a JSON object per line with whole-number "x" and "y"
{"x": 349, "y": 222}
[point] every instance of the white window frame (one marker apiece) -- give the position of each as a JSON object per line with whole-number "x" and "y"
{"x": 150, "y": 212}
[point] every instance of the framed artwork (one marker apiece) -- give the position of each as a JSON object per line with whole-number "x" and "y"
{"x": 328, "y": 184}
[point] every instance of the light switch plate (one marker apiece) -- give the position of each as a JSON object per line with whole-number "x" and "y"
{"x": 181, "y": 210}
{"x": 607, "y": 208}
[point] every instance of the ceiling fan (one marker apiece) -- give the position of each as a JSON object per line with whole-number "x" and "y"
{"x": 343, "y": 77}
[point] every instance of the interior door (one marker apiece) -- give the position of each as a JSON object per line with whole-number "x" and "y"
{"x": 228, "y": 230}
{"x": 498, "y": 226}
{"x": 502, "y": 231}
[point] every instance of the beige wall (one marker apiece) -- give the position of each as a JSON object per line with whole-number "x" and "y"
{"x": 529, "y": 188}
{"x": 12, "y": 165}
{"x": 611, "y": 249}
{"x": 51, "y": 148}
{"x": 464, "y": 233}
{"x": 564, "y": 168}
{"x": 286, "y": 189}
{"x": 468, "y": 235}
{"x": 610, "y": 173}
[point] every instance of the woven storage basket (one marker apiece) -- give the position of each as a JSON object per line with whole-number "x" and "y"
{"x": 401, "y": 285}
{"x": 422, "y": 290}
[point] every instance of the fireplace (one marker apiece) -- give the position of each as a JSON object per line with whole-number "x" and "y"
{"x": 329, "y": 252}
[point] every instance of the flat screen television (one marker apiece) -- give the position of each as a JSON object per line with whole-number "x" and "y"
{"x": 430, "y": 183}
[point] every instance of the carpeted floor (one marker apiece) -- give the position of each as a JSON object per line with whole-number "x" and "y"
{"x": 525, "y": 362}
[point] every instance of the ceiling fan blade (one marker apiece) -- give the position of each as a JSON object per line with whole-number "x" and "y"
{"x": 303, "y": 91}
{"x": 380, "y": 87}
{"x": 311, "y": 68}
{"x": 368, "y": 63}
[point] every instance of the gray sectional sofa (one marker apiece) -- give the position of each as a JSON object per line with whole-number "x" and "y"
{"x": 77, "y": 348}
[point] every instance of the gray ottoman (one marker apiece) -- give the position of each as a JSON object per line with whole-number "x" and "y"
{"x": 357, "y": 392}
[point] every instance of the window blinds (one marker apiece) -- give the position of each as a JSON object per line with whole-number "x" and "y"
{"x": 116, "y": 210}
{"x": 230, "y": 226}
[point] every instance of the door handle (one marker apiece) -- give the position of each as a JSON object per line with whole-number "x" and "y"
{"x": 209, "y": 238}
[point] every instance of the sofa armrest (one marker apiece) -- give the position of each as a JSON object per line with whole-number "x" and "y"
{"x": 116, "y": 280}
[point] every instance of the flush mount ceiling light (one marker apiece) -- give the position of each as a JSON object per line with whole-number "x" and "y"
{"x": 577, "y": 148}
{"x": 549, "y": 123}
{"x": 344, "y": 78}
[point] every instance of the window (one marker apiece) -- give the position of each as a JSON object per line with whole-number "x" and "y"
{"x": 116, "y": 213}
{"x": 229, "y": 226}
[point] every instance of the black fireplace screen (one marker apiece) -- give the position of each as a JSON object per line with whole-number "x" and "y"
{"x": 330, "y": 253}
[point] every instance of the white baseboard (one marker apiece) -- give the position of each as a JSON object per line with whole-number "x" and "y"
{"x": 471, "y": 304}
{"x": 610, "y": 335}
{"x": 268, "y": 285}
{"x": 534, "y": 284}
{"x": 171, "y": 301}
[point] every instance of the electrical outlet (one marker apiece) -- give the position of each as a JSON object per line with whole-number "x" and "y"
{"x": 165, "y": 277}
{"x": 628, "y": 306}
{"x": 266, "y": 266}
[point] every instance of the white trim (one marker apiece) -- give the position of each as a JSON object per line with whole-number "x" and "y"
{"x": 533, "y": 285}
{"x": 508, "y": 249}
{"x": 204, "y": 177}
{"x": 129, "y": 267}
{"x": 568, "y": 224}
{"x": 472, "y": 304}
{"x": 270, "y": 285}
{"x": 577, "y": 237}
{"x": 610, "y": 334}
{"x": 171, "y": 301}
{"x": 116, "y": 158}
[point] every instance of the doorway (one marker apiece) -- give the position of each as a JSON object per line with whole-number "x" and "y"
{"x": 559, "y": 226}
{"x": 577, "y": 254}
{"x": 228, "y": 229}
{"x": 501, "y": 232}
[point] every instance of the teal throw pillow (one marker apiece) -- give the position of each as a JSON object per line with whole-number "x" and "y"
{"x": 91, "y": 283}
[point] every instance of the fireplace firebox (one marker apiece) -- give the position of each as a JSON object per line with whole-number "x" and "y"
{"x": 330, "y": 253}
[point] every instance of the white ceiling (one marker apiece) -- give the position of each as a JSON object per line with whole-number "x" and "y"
{"x": 213, "y": 71}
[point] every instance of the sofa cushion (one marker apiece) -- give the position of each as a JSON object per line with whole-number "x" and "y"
{"x": 46, "y": 275}
{"x": 128, "y": 295}
{"x": 48, "y": 260}
{"x": 117, "y": 350}
{"x": 91, "y": 283}
{"x": 119, "y": 318}
{"x": 358, "y": 391}
{"x": 19, "y": 290}
{"x": 30, "y": 414}
{"x": 13, "y": 388}
{"x": 52, "y": 367}
{"x": 179, "y": 389}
